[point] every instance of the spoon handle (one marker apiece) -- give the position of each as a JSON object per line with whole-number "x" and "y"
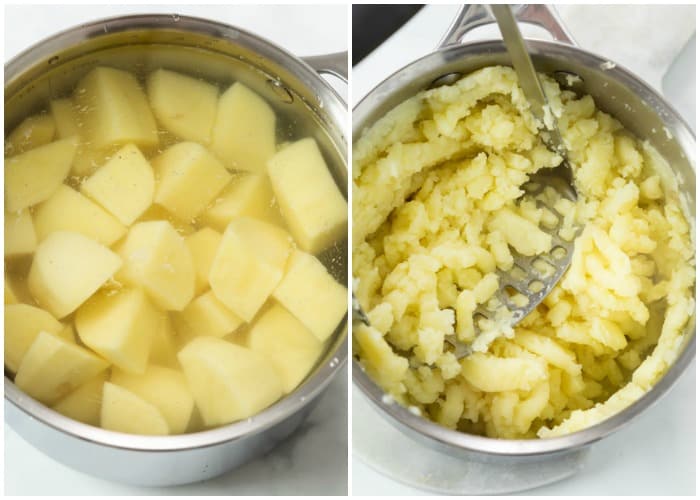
{"x": 522, "y": 63}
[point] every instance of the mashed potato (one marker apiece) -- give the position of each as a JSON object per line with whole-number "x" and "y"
{"x": 434, "y": 190}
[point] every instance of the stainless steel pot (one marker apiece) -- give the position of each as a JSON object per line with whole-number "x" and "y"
{"x": 615, "y": 90}
{"x": 307, "y": 106}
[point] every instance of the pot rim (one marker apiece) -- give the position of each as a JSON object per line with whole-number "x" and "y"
{"x": 336, "y": 354}
{"x": 424, "y": 430}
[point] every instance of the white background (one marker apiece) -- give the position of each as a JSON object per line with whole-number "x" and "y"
{"x": 656, "y": 454}
{"x": 313, "y": 461}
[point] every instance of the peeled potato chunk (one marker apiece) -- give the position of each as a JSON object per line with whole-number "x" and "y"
{"x": 247, "y": 194}
{"x": 65, "y": 117}
{"x": 244, "y": 131}
{"x": 114, "y": 109}
{"x": 206, "y": 315}
{"x": 163, "y": 351}
{"x": 219, "y": 374}
{"x": 164, "y": 388}
{"x": 188, "y": 179}
{"x": 311, "y": 203}
{"x": 84, "y": 403}
{"x": 311, "y": 294}
{"x": 183, "y": 105}
{"x": 157, "y": 259}
{"x": 292, "y": 348}
{"x": 120, "y": 327}
{"x": 33, "y": 132}
{"x": 203, "y": 246}
{"x": 248, "y": 265}
{"x": 10, "y": 294}
{"x": 68, "y": 210}
{"x": 53, "y": 368}
{"x": 67, "y": 269}
{"x": 32, "y": 177}
{"x": 22, "y": 325}
{"x": 124, "y": 411}
{"x": 124, "y": 185}
{"x": 20, "y": 237}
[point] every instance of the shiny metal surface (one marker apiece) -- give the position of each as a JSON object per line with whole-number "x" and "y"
{"x": 217, "y": 52}
{"x": 615, "y": 90}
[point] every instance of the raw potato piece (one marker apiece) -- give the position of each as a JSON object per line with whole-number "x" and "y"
{"x": 67, "y": 269}
{"x": 203, "y": 246}
{"x": 20, "y": 237}
{"x": 53, "y": 368}
{"x": 271, "y": 242}
{"x": 292, "y": 348}
{"x": 157, "y": 259}
{"x": 311, "y": 204}
{"x": 22, "y": 325}
{"x": 124, "y": 185}
{"x": 84, "y": 403}
{"x": 248, "y": 265}
{"x": 183, "y": 105}
{"x": 206, "y": 315}
{"x": 248, "y": 194}
{"x": 124, "y": 411}
{"x": 188, "y": 179}
{"x": 64, "y": 116}
{"x": 114, "y": 109}
{"x": 244, "y": 131}
{"x": 220, "y": 373}
{"x": 164, "y": 388}
{"x": 120, "y": 327}
{"x": 310, "y": 293}
{"x": 33, "y": 132}
{"x": 32, "y": 177}
{"x": 68, "y": 210}
{"x": 163, "y": 351}
{"x": 88, "y": 159}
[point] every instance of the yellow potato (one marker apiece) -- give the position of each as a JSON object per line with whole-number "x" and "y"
{"x": 65, "y": 117}
{"x": 34, "y": 176}
{"x": 219, "y": 374}
{"x": 124, "y": 185}
{"x": 188, "y": 179}
{"x": 292, "y": 348}
{"x": 183, "y": 105}
{"x": 68, "y": 210}
{"x": 243, "y": 136}
{"x": 164, "y": 388}
{"x": 163, "y": 351}
{"x": 248, "y": 265}
{"x": 53, "y": 368}
{"x": 312, "y": 295}
{"x": 206, "y": 315}
{"x": 113, "y": 109}
{"x": 311, "y": 203}
{"x": 20, "y": 237}
{"x": 22, "y": 325}
{"x": 119, "y": 326}
{"x": 157, "y": 259}
{"x": 247, "y": 194}
{"x": 203, "y": 246}
{"x": 124, "y": 411}
{"x": 67, "y": 269}
{"x": 85, "y": 403}
{"x": 33, "y": 132}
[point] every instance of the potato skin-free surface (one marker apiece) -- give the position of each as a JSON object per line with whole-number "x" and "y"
{"x": 143, "y": 244}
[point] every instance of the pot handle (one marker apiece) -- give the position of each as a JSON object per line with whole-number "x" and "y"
{"x": 335, "y": 64}
{"x": 473, "y": 16}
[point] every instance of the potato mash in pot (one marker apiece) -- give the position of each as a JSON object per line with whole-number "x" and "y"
{"x": 431, "y": 181}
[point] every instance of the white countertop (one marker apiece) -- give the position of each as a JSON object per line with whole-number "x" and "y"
{"x": 314, "y": 460}
{"x": 656, "y": 453}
